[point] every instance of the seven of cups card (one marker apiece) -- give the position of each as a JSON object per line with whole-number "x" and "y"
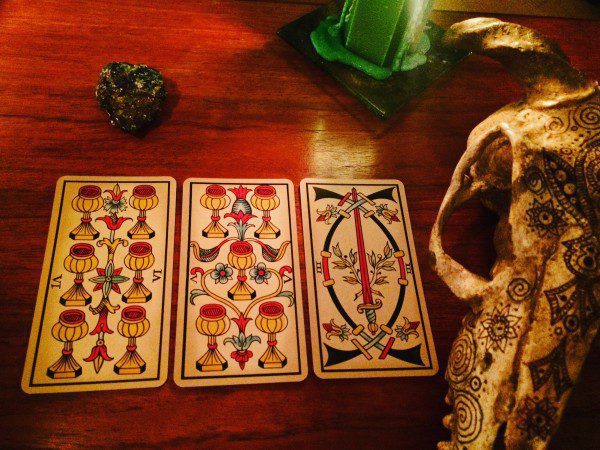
{"x": 367, "y": 311}
{"x": 101, "y": 319}
{"x": 240, "y": 306}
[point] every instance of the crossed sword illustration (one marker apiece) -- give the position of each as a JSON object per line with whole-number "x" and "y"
{"x": 356, "y": 202}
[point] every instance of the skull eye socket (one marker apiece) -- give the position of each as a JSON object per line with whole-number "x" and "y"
{"x": 494, "y": 166}
{"x": 471, "y": 230}
{"x": 491, "y": 175}
{"x": 488, "y": 162}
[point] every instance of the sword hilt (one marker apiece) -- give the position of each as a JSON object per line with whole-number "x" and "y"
{"x": 366, "y": 199}
{"x": 363, "y": 199}
{"x": 356, "y": 332}
{"x": 372, "y": 318}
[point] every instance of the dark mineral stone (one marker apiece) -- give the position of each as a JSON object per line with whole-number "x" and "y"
{"x": 131, "y": 94}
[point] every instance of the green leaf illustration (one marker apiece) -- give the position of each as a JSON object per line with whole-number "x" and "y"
{"x": 350, "y": 280}
{"x": 387, "y": 251}
{"x": 289, "y": 295}
{"x": 196, "y": 293}
{"x": 339, "y": 264}
{"x": 381, "y": 280}
{"x": 352, "y": 256}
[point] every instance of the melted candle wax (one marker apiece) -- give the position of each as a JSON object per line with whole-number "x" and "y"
{"x": 378, "y": 37}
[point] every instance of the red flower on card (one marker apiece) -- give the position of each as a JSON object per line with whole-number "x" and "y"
{"x": 328, "y": 214}
{"x": 116, "y": 196}
{"x": 116, "y": 202}
{"x": 242, "y": 322}
{"x": 102, "y": 324}
{"x": 98, "y": 355}
{"x": 240, "y": 217}
{"x": 408, "y": 329}
{"x": 334, "y": 330}
{"x": 242, "y": 343}
{"x": 391, "y": 215}
{"x": 99, "y": 350}
{"x": 113, "y": 224}
{"x": 240, "y": 191}
{"x": 242, "y": 357}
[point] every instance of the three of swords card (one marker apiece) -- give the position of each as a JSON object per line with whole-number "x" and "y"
{"x": 240, "y": 306}
{"x": 101, "y": 319}
{"x": 367, "y": 311}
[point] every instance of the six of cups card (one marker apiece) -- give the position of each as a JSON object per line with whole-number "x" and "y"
{"x": 102, "y": 314}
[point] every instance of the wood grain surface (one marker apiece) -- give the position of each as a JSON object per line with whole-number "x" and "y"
{"x": 241, "y": 103}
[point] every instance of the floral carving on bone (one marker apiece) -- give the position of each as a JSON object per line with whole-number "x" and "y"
{"x": 536, "y": 163}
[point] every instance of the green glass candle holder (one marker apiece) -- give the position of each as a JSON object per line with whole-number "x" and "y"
{"x": 393, "y": 57}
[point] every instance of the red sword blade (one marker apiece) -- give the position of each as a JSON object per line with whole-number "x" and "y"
{"x": 362, "y": 255}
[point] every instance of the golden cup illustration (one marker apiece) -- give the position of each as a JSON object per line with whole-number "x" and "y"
{"x": 143, "y": 198}
{"x": 71, "y": 327}
{"x": 133, "y": 325}
{"x": 212, "y": 322}
{"x": 241, "y": 256}
{"x": 271, "y": 320}
{"x": 138, "y": 259}
{"x": 215, "y": 198}
{"x": 266, "y": 200}
{"x": 81, "y": 259}
{"x": 88, "y": 200}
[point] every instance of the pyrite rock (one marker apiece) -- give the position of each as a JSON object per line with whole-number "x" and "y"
{"x": 131, "y": 94}
{"x": 536, "y": 163}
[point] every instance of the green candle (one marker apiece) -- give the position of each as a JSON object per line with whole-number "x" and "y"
{"x": 373, "y": 28}
{"x": 378, "y": 37}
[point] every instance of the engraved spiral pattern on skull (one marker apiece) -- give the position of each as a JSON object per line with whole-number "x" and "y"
{"x": 556, "y": 125}
{"x": 468, "y": 417}
{"x": 518, "y": 289}
{"x": 588, "y": 116}
{"x": 462, "y": 359}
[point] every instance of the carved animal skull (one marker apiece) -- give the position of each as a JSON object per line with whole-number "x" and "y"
{"x": 536, "y": 163}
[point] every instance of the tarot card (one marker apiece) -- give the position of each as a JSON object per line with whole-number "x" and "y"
{"x": 239, "y": 318}
{"x": 101, "y": 319}
{"x": 367, "y": 311}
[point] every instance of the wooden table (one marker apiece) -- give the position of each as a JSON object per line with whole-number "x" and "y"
{"x": 242, "y": 103}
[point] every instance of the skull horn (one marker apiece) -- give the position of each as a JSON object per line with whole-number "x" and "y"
{"x": 536, "y": 61}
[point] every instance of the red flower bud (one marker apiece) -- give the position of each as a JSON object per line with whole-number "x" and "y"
{"x": 240, "y": 216}
{"x": 240, "y": 192}
{"x": 242, "y": 322}
{"x": 98, "y": 351}
{"x": 112, "y": 224}
{"x": 115, "y": 197}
